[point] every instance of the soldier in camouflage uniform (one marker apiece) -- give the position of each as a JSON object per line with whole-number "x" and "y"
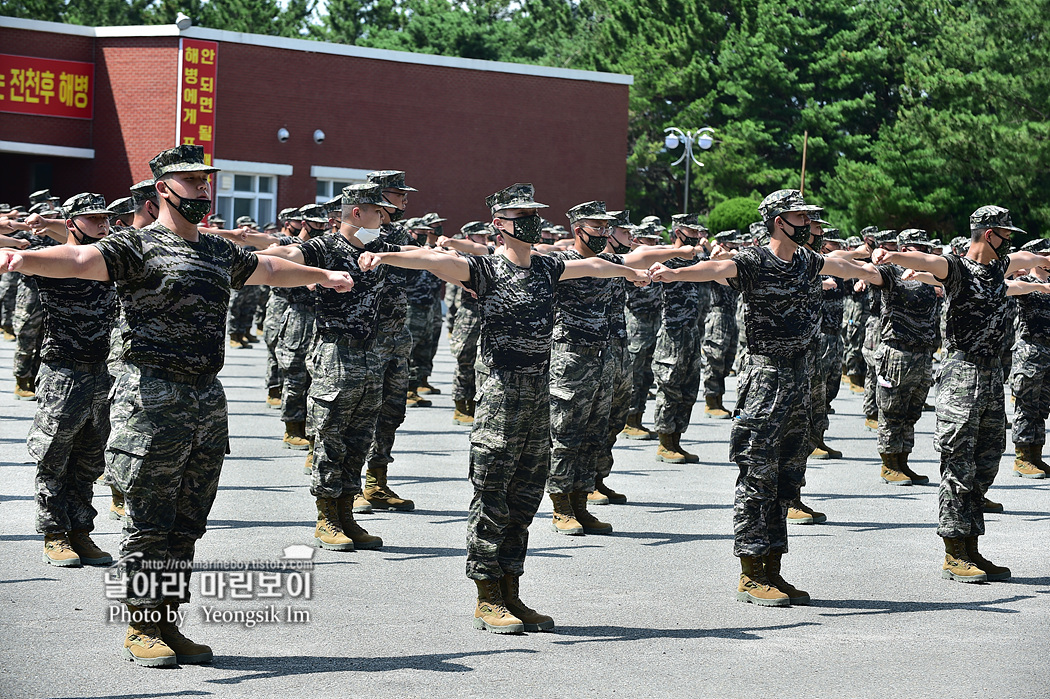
{"x": 831, "y": 348}
{"x": 886, "y": 239}
{"x": 510, "y": 439}
{"x": 421, "y": 288}
{"x": 856, "y": 311}
{"x": 71, "y": 425}
{"x": 1030, "y": 379}
{"x": 466, "y": 332}
{"x": 169, "y": 421}
{"x": 770, "y": 436}
{"x": 434, "y": 322}
{"x": 720, "y": 338}
{"x": 291, "y": 221}
{"x": 243, "y": 302}
{"x": 643, "y": 324}
{"x": 393, "y": 345}
{"x": 971, "y": 416}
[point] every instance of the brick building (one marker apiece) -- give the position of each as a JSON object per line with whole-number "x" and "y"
{"x": 86, "y": 108}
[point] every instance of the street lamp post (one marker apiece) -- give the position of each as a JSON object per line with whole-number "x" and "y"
{"x": 675, "y": 137}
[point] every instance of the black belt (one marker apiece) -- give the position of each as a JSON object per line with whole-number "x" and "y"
{"x": 903, "y": 347}
{"x": 344, "y": 340}
{"x": 198, "y": 380}
{"x": 86, "y": 367}
{"x": 986, "y": 362}
{"x": 766, "y": 360}
{"x": 583, "y": 350}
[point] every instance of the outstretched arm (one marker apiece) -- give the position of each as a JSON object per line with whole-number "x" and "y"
{"x": 707, "y": 271}
{"x": 288, "y": 252}
{"x": 60, "y": 261}
{"x": 463, "y": 245}
{"x": 1027, "y": 260}
{"x": 448, "y": 267}
{"x": 919, "y": 261}
{"x": 844, "y": 268}
{"x": 1020, "y": 288}
{"x": 645, "y": 257}
{"x": 597, "y": 267}
{"x": 274, "y": 271}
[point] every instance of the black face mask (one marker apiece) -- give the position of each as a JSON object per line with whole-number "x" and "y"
{"x": 421, "y": 239}
{"x": 313, "y": 232}
{"x": 618, "y": 248}
{"x": 526, "y": 228}
{"x": 84, "y": 238}
{"x": 193, "y": 210}
{"x": 799, "y": 234}
{"x": 395, "y": 215}
{"x": 596, "y": 243}
{"x": 818, "y": 243}
{"x": 1003, "y": 248}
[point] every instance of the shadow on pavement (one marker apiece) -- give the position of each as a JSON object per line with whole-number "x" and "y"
{"x": 874, "y": 606}
{"x": 274, "y": 667}
{"x": 158, "y": 695}
{"x": 604, "y": 634}
{"x": 24, "y": 580}
{"x": 663, "y": 538}
{"x": 681, "y": 506}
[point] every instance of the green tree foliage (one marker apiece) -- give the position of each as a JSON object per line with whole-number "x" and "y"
{"x": 738, "y": 213}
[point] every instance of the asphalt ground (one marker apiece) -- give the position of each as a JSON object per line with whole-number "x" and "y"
{"x": 647, "y": 611}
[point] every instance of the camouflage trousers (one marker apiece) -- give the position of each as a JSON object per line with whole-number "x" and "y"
{"x": 769, "y": 443}
{"x": 871, "y": 343}
{"x": 275, "y": 308}
{"x": 818, "y": 401}
{"x": 904, "y": 378}
{"x": 242, "y": 309}
{"x": 262, "y": 304}
{"x": 616, "y": 387}
{"x": 741, "y": 344}
{"x": 344, "y": 401}
{"x": 420, "y": 323}
{"x": 1031, "y": 389}
{"x": 170, "y": 434}
{"x": 67, "y": 441}
{"x": 29, "y": 331}
{"x": 676, "y": 366}
{"x": 719, "y": 349}
{"x": 510, "y": 450}
{"x": 642, "y": 329}
{"x": 391, "y": 362}
{"x": 830, "y": 365}
{"x": 452, "y": 303}
{"x": 853, "y": 363}
{"x": 466, "y": 332}
{"x": 294, "y": 341}
{"x": 579, "y": 416}
{"x": 971, "y": 436}
{"x": 8, "y": 298}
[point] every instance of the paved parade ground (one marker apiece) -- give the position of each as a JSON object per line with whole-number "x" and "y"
{"x": 647, "y": 611}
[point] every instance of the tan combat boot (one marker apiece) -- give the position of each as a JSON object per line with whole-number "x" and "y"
{"x": 308, "y": 465}
{"x": 819, "y": 453}
{"x": 597, "y": 498}
{"x": 612, "y": 496}
{"x": 856, "y": 383}
{"x": 564, "y": 520}
{"x": 414, "y": 400}
{"x": 1037, "y": 452}
{"x": 361, "y": 505}
{"x": 24, "y": 388}
{"x": 9, "y": 333}
{"x": 361, "y": 538}
{"x": 990, "y": 506}
{"x": 295, "y": 435}
{"x": 831, "y": 453}
{"x": 329, "y": 534}
{"x": 491, "y": 613}
{"x": 754, "y": 586}
{"x": 425, "y": 388}
{"x": 116, "y": 504}
{"x": 590, "y": 523}
{"x": 801, "y": 513}
{"x": 993, "y": 571}
{"x": 957, "y": 563}
{"x": 890, "y": 470}
{"x": 872, "y": 423}
{"x": 379, "y": 494}
{"x": 1026, "y": 465}
{"x": 273, "y": 397}
{"x": 85, "y": 548}
{"x": 795, "y": 595}
{"x": 916, "y": 478}
{"x": 715, "y": 409}
{"x": 236, "y": 343}
{"x": 634, "y": 428}
{"x": 690, "y": 458}
{"x": 668, "y": 450}
{"x": 461, "y": 415}
{"x": 58, "y": 551}
{"x": 249, "y": 337}
{"x": 186, "y": 651}
{"x": 530, "y": 618}
{"x": 143, "y": 644}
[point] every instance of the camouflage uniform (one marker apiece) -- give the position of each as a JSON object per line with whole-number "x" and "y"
{"x": 423, "y": 289}
{"x": 676, "y": 361}
{"x": 904, "y": 359}
{"x": 8, "y": 298}
{"x": 871, "y": 343}
{"x": 169, "y": 418}
{"x": 1029, "y": 379}
{"x": 643, "y": 325}
{"x": 829, "y": 355}
{"x": 292, "y": 344}
{"x": 466, "y": 331}
{"x": 971, "y": 416}
{"x": 856, "y": 310}
{"x": 720, "y": 339}
{"x": 29, "y": 315}
{"x": 616, "y": 378}
{"x": 275, "y": 308}
{"x": 71, "y": 426}
{"x": 510, "y": 443}
{"x": 242, "y": 308}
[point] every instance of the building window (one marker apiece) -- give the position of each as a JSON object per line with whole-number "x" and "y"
{"x": 247, "y": 195}
{"x": 326, "y": 189}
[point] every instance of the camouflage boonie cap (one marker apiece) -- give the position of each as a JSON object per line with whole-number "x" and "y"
{"x": 589, "y": 209}
{"x": 621, "y": 219}
{"x": 289, "y": 214}
{"x": 38, "y": 208}
{"x": 417, "y": 224}
{"x": 993, "y": 217}
{"x": 40, "y": 196}
{"x": 516, "y": 196}
{"x": 560, "y": 232}
{"x": 271, "y": 226}
{"x": 475, "y": 228}
{"x": 363, "y": 193}
{"x": 86, "y": 204}
{"x": 122, "y": 206}
{"x": 432, "y": 219}
{"x": 246, "y": 221}
{"x": 217, "y": 221}
{"x": 913, "y": 236}
{"x": 390, "y": 179}
{"x": 729, "y": 236}
{"x": 333, "y": 206}
{"x": 179, "y": 159}
{"x": 5, "y": 208}
{"x": 654, "y": 221}
{"x": 784, "y": 201}
{"x": 1037, "y": 245}
{"x": 868, "y": 231}
{"x": 314, "y": 213}
{"x": 689, "y": 221}
{"x": 854, "y": 241}
{"x": 959, "y": 243}
{"x": 144, "y": 188}
{"x": 757, "y": 229}
{"x": 647, "y": 230}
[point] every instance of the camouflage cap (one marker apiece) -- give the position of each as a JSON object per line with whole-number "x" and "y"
{"x": 122, "y": 206}
{"x": 314, "y": 213}
{"x": 516, "y": 196}
{"x": 144, "y": 188}
{"x": 1037, "y": 245}
{"x": 475, "y": 228}
{"x": 854, "y": 241}
{"x": 433, "y": 219}
{"x": 363, "y": 193}
{"x": 39, "y": 208}
{"x": 784, "y": 201}
{"x": 730, "y": 236}
{"x": 689, "y": 221}
{"x": 182, "y": 158}
{"x": 992, "y": 217}
{"x": 621, "y": 219}
{"x": 246, "y": 221}
{"x": 333, "y": 206}
{"x": 390, "y": 179}
{"x": 654, "y": 220}
{"x": 589, "y": 210}
{"x": 869, "y": 231}
{"x": 914, "y": 236}
{"x": 647, "y": 230}
{"x": 960, "y": 243}
{"x": 884, "y": 236}
{"x": 217, "y": 221}
{"x": 5, "y": 208}
{"x": 86, "y": 204}
{"x": 271, "y": 226}
{"x": 417, "y": 224}
{"x": 40, "y": 196}
{"x": 757, "y": 230}
{"x": 560, "y": 232}
{"x": 289, "y": 214}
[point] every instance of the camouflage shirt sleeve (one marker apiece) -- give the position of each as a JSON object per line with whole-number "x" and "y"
{"x": 122, "y": 254}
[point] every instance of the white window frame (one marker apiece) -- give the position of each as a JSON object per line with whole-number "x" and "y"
{"x": 331, "y": 180}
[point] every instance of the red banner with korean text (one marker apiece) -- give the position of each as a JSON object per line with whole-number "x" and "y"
{"x": 46, "y": 87}
{"x": 198, "y": 69}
